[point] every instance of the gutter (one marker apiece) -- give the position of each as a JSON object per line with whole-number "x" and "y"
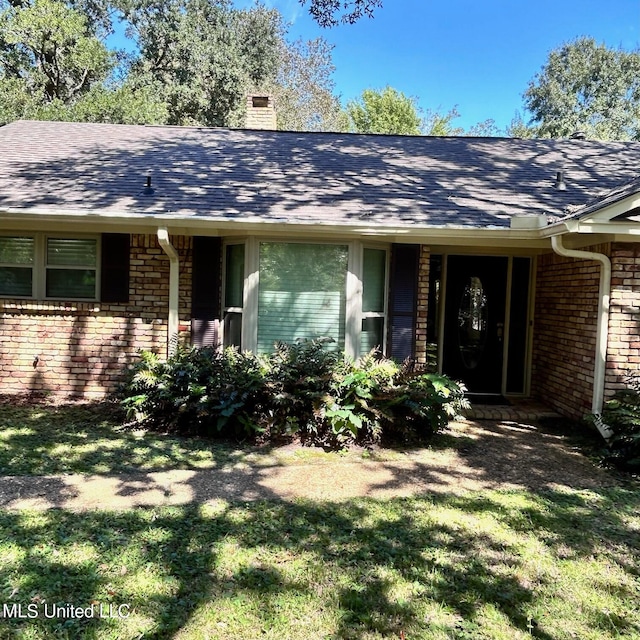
{"x": 602, "y": 326}
{"x": 174, "y": 289}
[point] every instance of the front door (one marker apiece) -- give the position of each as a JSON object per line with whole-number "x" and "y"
{"x": 475, "y": 321}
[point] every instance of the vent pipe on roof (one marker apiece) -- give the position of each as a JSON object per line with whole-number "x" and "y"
{"x": 578, "y": 135}
{"x": 148, "y": 189}
{"x": 560, "y": 184}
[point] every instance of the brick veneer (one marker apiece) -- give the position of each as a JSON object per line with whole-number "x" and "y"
{"x": 423, "y": 302}
{"x": 564, "y": 338}
{"x": 82, "y": 347}
{"x": 623, "y": 352}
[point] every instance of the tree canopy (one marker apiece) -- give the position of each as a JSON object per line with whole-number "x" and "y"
{"x": 390, "y": 111}
{"x": 586, "y": 87}
{"x": 386, "y": 111}
{"x": 194, "y": 63}
{"x": 330, "y": 13}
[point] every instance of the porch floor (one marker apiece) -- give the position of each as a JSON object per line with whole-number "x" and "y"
{"x": 518, "y": 410}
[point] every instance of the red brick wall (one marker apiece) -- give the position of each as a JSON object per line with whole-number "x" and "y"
{"x": 564, "y": 337}
{"x": 623, "y": 353}
{"x": 83, "y": 347}
{"x": 423, "y": 304}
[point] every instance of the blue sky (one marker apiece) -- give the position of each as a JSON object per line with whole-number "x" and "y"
{"x": 478, "y": 55}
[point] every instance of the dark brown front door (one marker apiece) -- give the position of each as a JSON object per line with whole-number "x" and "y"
{"x": 474, "y": 321}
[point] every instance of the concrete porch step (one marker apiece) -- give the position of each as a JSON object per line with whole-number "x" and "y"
{"x": 517, "y": 410}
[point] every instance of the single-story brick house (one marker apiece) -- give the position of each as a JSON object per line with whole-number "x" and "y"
{"x": 518, "y": 259}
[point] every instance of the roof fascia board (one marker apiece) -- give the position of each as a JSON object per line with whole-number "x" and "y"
{"x": 613, "y": 210}
{"x": 143, "y": 223}
{"x": 610, "y": 211}
{"x": 610, "y": 228}
{"x": 582, "y": 241}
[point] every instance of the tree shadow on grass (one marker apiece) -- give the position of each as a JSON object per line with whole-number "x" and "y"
{"x": 373, "y": 568}
{"x": 91, "y": 439}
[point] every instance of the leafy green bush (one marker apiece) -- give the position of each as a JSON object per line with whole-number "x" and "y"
{"x": 300, "y": 389}
{"x": 622, "y": 414}
{"x": 299, "y": 378}
{"x": 202, "y": 391}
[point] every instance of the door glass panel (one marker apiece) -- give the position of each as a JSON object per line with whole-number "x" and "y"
{"x": 472, "y": 323}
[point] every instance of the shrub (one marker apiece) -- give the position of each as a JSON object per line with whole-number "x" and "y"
{"x": 299, "y": 378}
{"x": 202, "y": 391}
{"x": 300, "y": 389}
{"x": 622, "y": 414}
{"x": 420, "y": 404}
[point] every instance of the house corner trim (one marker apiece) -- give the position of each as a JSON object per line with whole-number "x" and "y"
{"x": 174, "y": 289}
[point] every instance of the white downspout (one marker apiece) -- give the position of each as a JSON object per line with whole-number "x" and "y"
{"x": 174, "y": 289}
{"x": 602, "y": 326}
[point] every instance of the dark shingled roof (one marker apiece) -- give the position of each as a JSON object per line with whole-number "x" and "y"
{"x": 325, "y": 178}
{"x": 608, "y": 198}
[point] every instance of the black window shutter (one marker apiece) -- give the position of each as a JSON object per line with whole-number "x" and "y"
{"x": 114, "y": 277}
{"x": 403, "y": 300}
{"x": 205, "y": 291}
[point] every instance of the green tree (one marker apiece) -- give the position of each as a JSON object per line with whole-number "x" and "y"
{"x": 518, "y": 128}
{"x": 55, "y": 66}
{"x": 386, "y": 111}
{"x": 304, "y": 89}
{"x": 587, "y": 87}
{"x": 437, "y": 123}
{"x": 203, "y": 55}
{"x": 49, "y": 50}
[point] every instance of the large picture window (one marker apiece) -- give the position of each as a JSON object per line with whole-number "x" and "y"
{"x": 41, "y": 266}
{"x": 302, "y": 293}
{"x": 283, "y": 291}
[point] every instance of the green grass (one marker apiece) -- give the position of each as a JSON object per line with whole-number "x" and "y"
{"x": 500, "y": 565}
{"x": 559, "y": 564}
{"x": 90, "y": 439}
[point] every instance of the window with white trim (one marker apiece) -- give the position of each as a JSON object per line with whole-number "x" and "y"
{"x": 233, "y": 294}
{"x": 17, "y": 257}
{"x": 49, "y": 267}
{"x": 286, "y": 290}
{"x": 374, "y": 304}
{"x": 71, "y": 268}
{"x": 301, "y": 293}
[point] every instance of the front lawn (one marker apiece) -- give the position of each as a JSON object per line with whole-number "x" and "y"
{"x": 43, "y": 440}
{"x": 500, "y": 565}
{"x": 49, "y": 440}
{"x": 557, "y": 563}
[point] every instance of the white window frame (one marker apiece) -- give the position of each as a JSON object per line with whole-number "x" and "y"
{"x": 31, "y": 266}
{"x": 40, "y": 266}
{"x": 354, "y": 288}
{"x": 385, "y": 308}
{"x": 225, "y": 309}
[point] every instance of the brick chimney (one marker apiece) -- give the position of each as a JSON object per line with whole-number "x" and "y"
{"x": 261, "y": 112}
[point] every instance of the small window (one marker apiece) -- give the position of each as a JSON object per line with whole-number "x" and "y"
{"x": 71, "y": 268}
{"x": 233, "y": 294}
{"x": 374, "y": 275}
{"x": 16, "y": 266}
